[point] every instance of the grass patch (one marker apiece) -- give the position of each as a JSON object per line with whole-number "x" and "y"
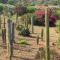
{"x": 23, "y": 42}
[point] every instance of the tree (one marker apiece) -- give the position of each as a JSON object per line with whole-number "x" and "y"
{"x": 30, "y": 10}
{"x": 19, "y": 10}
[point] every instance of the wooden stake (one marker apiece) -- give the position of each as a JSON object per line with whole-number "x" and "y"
{"x": 9, "y": 39}
{"x": 4, "y": 35}
{"x": 47, "y": 35}
{"x": 32, "y": 27}
{"x": 0, "y": 21}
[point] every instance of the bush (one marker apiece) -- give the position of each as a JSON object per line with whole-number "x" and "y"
{"x": 30, "y": 9}
{"x": 40, "y": 17}
{"x": 24, "y": 32}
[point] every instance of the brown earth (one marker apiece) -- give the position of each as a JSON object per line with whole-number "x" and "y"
{"x": 29, "y": 52}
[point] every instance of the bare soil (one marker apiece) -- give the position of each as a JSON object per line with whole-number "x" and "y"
{"x": 29, "y": 52}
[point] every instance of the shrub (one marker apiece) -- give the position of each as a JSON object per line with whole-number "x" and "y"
{"x": 24, "y": 32}
{"x": 40, "y": 17}
{"x": 30, "y": 9}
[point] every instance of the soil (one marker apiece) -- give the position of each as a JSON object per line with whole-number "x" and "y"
{"x": 29, "y": 52}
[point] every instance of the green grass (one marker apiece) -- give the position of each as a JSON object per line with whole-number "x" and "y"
{"x": 23, "y": 42}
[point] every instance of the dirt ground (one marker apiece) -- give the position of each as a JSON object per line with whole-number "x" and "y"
{"x": 29, "y": 52}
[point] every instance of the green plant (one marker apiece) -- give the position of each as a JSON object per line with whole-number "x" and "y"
{"x": 24, "y": 32}
{"x": 11, "y": 2}
{"x": 22, "y": 42}
{"x": 1, "y": 8}
{"x": 19, "y": 27}
{"x": 30, "y": 9}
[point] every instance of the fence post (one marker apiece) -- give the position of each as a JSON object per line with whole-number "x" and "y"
{"x": 12, "y": 39}
{"x": 0, "y": 21}
{"x": 9, "y": 41}
{"x": 42, "y": 35}
{"x": 37, "y": 39}
{"x": 47, "y": 35}
{"x": 4, "y": 35}
{"x": 32, "y": 28}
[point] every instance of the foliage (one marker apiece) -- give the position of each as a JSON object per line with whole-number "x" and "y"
{"x": 57, "y": 13}
{"x": 20, "y": 10}
{"x": 30, "y": 9}
{"x": 40, "y": 17}
{"x": 1, "y": 1}
{"x": 19, "y": 27}
{"x": 11, "y": 2}
{"x": 24, "y": 31}
{"x": 22, "y": 42}
{"x": 1, "y": 7}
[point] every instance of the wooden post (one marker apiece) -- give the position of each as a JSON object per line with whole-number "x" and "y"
{"x": 13, "y": 32}
{"x": 0, "y": 21}
{"x": 4, "y": 35}
{"x": 37, "y": 39}
{"x": 42, "y": 35}
{"x": 16, "y": 18}
{"x": 9, "y": 39}
{"x": 26, "y": 21}
{"x": 4, "y": 18}
{"x": 12, "y": 39}
{"x": 32, "y": 27}
{"x": 47, "y": 35}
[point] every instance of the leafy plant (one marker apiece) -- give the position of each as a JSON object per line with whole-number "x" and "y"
{"x": 19, "y": 27}
{"x": 40, "y": 17}
{"x": 1, "y": 7}
{"x": 11, "y": 2}
{"x": 24, "y": 32}
{"x": 22, "y": 42}
{"x": 30, "y": 9}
